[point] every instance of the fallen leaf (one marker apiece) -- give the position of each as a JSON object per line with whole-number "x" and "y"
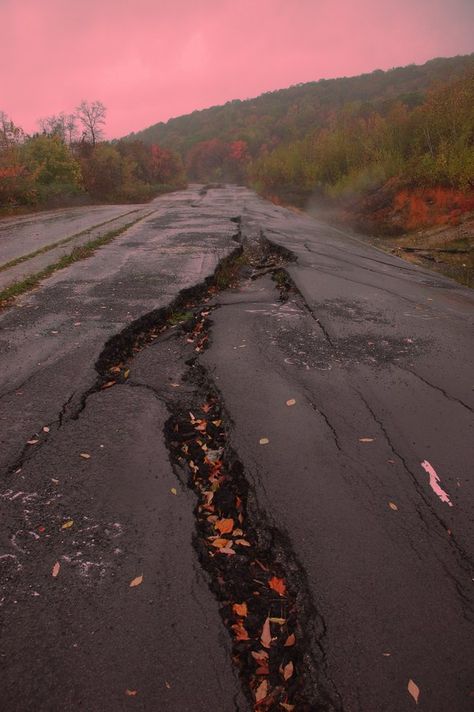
{"x": 239, "y": 631}
{"x": 85, "y": 455}
{"x": 262, "y": 691}
{"x": 167, "y": 685}
{"x": 224, "y": 526}
{"x": 291, "y": 640}
{"x": 366, "y": 440}
{"x": 126, "y": 373}
{"x": 264, "y": 441}
{"x": 220, "y": 543}
{"x": 261, "y": 656}
{"x": 109, "y": 384}
{"x": 45, "y": 429}
{"x": 217, "y": 423}
{"x": 174, "y": 491}
{"x": 393, "y": 506}
{"x": 291, "y": 402}
{"x": 174, "y": 385}
{"x": 227, "y": 550}
{"x": 287, "y": 671}
{"x": 68, "y": 524}
{"x": 278, "y": 621}
{"x": 131, "y": 693}
{"x": 32, "y": 442}
{"x": 414, "y": 690}
{"x": 55, "y": 570}
{"x": 266, "y": 637}
{"x": 278, "y": 585}
{"x": 242, "y": 542}
{"x": 240, "y": 609}
{"x": 136, "y": 581}
{"x": 286, "y": 706}
{"x": 386, "y": 655}
{"x": 206, "y": 408}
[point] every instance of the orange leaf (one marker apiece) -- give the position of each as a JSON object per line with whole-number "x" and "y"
{"x": 55, "y": 570}
{"x": 287, "y": 707}
{"x": 136, "y": 581}
{"x": 227, "y": 550}
{"x": 240, "y": 609}
{"x": 224, "y": 526}
{"x": 261, "y": 691}
{"x": 287, "y": 671}
{"x": 261, "y": 656}
{"x": 220, "y": 543}
{"x": 240, "y": 632}
{"x": 414, "y": 690}
{"x": 242, "y": 542}
{"x": 266, "y": 637}
{"x": 393, "y": 506}
{"x": 278, "y": 585}
{"x": 291, "y": 640}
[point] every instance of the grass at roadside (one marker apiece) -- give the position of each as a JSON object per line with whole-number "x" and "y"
{"x": 78, "y": 253}
{"x": 53, "y": 245}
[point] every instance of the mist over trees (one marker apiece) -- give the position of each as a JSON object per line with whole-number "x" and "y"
{"x": 68, "y": 163}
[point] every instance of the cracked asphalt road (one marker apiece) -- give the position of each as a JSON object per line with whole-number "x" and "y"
{"x": 376, "y": 353}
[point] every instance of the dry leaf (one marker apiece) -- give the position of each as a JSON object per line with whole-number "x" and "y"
{"x": 286, "y": 706}
{"x": 85, "y": 455}
{"x": 131, "y": 693}
{"x": 227, "y": 550}
{"x": 264, "y": 441}
{"x": 174, "y": 491}
{"x": 220, "y": 543}
{"x": 136, "y": 581}
{"x": 278, "y": 585}
{"x": 109, "y": 384}
{"x": 287, "y": 671}
{"x": 393, "y": 506}
{"x": 261, "y": 691}
{"x": 240, "y": 609}
{"x": 261, "y": 656}
{"x": 68, "y": 524}
{"x": 291, "y": 640}
{"x": 46, "y": 429}
{"x": 243, "y": 542}
{"x": 266, "y": 637}
{"x": 224, "y": 526}
{"x": 262, "y": 670}
{"x": 278, "y": 621}
{"x": 240, "y": 632}
{"x": 366, "y": 440}
{"x": 414, "y": 690}
{"x": 291, "y": 402}
{"x": 32, "y": 442}
{"x": 55, "y": 570}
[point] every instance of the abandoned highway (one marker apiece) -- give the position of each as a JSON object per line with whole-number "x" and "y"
{"x": 237, "y": 466}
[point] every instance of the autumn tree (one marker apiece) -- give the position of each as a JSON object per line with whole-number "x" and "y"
{"x": 62, "y": 125}
{"x": 91, "y": 116}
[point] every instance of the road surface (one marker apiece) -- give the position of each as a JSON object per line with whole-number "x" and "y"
{"x": 345, "y": 391}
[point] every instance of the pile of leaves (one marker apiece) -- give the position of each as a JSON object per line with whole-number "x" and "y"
{"x": 259, "y": 605}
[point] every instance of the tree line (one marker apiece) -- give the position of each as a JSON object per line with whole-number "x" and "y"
{"x": 67, "y": 162}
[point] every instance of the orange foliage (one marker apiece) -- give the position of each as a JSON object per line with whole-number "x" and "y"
{"x": 434, "y": 206}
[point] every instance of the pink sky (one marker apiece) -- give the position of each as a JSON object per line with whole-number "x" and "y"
{"x": 148, "y": 60}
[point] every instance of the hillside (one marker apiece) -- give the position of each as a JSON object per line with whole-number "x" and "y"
{"x": 288, "y": 114}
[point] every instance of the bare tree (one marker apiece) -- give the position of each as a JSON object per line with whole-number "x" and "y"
{"x": 9, "y": 133}
{"x": 61, "y": 125}
{"x": 92, "y": 118}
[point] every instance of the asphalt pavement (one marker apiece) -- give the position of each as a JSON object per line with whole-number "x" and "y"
{"x": 347, "y": 389}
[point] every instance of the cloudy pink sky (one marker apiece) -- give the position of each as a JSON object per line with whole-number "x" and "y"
{"x": 148, "y": 60}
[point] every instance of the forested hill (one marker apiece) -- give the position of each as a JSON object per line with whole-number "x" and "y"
{"x": 288, "y": 114}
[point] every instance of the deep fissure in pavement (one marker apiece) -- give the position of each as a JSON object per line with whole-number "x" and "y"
{"x": 264, "y": 598}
